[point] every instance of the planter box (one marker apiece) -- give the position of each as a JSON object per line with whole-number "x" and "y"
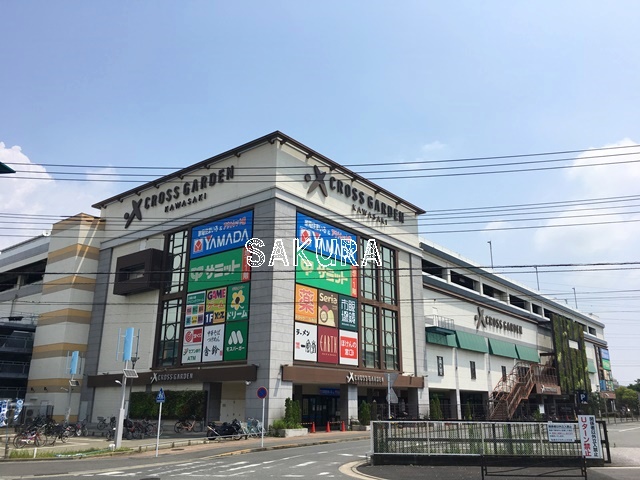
{"x": 293, "y": 432}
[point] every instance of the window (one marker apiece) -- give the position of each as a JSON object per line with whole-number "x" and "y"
{"x": 388, "y": 279}
{"x": 504, "y": 373}
{"x": 463, "y": 281}
{"x": 489, "y": 291}
{"x": 390, "y": 339}
{"x": 441, "y": 366}
{"x": 432, "y": 269}
{"x": 517, "y": 302}
{"x": 379, "y": 311}
{"x": 472, "y": 366}
{"x": 168, "y": 348}
{"x": 370, "y": 337}
{"x": 169, "y": 333}
{"x": 178, "y": 259}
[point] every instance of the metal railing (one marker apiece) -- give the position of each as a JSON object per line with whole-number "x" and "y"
{"x": 472, "y": 439}
{"x": 17, "y": 343}
{"x": 14, "y": 368}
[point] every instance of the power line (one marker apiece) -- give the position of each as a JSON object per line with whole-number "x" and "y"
{"x": 417, "y": 162}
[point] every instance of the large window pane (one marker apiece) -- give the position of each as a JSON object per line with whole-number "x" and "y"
{"x": 390, "y": 339}
{"x": 370, "y": 351}
{"x": 167, "y": 353}
{"x": 177, "y": 261}
{"x": 388, "y": 276}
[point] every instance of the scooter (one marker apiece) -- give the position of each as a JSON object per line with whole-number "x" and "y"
{"x": 212, "y": 431}
{"x": 232, "y": 430}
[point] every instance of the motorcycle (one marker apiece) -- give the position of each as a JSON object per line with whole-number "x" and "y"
{"x": 212, "y": 431}
{"x": 232, "y": 430}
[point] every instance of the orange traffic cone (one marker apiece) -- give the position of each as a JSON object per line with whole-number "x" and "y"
{"x": 342, "y": 429}
{"x": 328, "y": 427}
{"x": 313, "y": 427}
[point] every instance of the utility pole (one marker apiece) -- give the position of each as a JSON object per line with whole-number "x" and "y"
{"x": 491, "y": 253}
{"x": 575, "y": 298}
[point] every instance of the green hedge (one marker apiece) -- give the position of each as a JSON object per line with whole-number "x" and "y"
{"x": 178, "y": 404}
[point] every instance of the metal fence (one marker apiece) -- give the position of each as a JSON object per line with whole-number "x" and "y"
{"x": 471, "y": 438}
{"x": 480, "y": 412}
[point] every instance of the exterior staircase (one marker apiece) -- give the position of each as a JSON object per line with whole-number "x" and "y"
{"x": 511, "y": 390}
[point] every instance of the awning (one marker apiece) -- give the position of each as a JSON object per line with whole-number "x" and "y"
{"x": 440, "y": 339}
{"x": 467, "y": 341}
{"x": 502, "y": 348}
{"x": 591, "y": 366}
{"x": 6, "y": 169}
{"x": 528, "y": 354}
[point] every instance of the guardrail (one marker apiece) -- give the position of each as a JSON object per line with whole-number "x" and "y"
{"x": 414, "y": 439}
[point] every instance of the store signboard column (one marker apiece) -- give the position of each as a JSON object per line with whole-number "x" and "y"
{"x": 219, "y": 289}
{"x": 325, "y": 311}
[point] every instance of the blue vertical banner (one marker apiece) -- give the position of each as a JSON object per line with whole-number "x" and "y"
{"x": 128, "y": 344}
{"x": 73, "y": 368}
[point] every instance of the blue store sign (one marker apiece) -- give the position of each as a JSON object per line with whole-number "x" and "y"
{"x": 326, "y": 239}
{"x": 221, "y": 235}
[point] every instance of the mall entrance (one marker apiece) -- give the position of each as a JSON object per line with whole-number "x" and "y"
{"x": 320, "y": 409}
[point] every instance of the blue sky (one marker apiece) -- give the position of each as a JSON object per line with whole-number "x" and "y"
{"x": 167, "y": 84}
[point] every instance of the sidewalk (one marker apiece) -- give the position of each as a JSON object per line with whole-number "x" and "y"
{"x": 175, "y": 443}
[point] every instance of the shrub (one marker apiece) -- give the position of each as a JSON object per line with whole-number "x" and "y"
{"x": 364, "y": 413}
{"x": 292, "y": 415}
{"x": 435, "y": 412}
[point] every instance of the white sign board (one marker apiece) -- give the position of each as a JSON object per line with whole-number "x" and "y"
{"x": 561, "y": 432}
{"x": 589, "y": 432}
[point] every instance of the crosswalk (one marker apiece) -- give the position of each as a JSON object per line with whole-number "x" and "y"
{"x": 325, "y": 464}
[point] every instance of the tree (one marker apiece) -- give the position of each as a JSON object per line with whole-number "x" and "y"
{"x": 635, "y": 386}
{"x": 364, "y": 413}
{"x": 628, "y": 398}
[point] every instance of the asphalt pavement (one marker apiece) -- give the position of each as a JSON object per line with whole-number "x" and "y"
{"x": 625, "y": 461}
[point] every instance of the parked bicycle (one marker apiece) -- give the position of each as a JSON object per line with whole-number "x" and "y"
{"x": 150, "y": 429}
{"x": 28, "y": 437}
{"x": 102, "y": 423}
{"x": 254, "y": 427}
{"x": 79, "y": 429}
{"x": 191, "y": 425}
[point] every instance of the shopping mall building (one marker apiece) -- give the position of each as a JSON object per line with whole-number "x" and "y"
{"x": 272, "y": 266}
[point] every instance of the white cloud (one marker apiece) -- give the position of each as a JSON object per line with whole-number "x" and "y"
{"x": 608, "y": 241}
{"x": 31, "y": 200}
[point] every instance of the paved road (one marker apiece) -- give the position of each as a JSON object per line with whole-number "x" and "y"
{"x": 322, "y": 457}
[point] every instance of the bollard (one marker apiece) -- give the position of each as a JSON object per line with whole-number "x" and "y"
{"x": 313, "y": 427}
{"x": 342, "y": 429}
{"x": 328, "y": 427}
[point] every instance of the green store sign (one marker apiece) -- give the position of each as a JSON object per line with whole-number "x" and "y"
{"x": 236, "y": 340}
{"x": 218, "y": 270}
{"x": 337, "y": 278}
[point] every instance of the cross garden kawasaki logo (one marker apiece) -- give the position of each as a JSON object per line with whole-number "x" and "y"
{"x": 363, "y": 204}
{"x": 179, "y": 196}
{"x": 318, "y": 182}
{"x": 486, "y": 320}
